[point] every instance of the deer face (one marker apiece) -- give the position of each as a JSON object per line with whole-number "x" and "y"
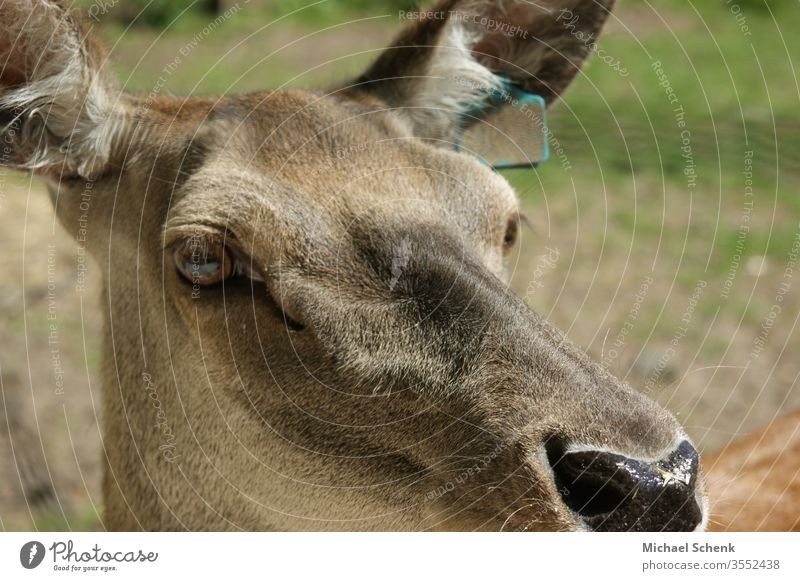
{"x": 308, "y": 322}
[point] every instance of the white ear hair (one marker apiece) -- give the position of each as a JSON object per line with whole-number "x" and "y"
{"x": 58, "y": 113}
{"x": 459, "y": 54}
{"x": 454, "y": 82}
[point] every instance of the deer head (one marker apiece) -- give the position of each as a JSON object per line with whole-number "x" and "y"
{"x": 307, "y": 324}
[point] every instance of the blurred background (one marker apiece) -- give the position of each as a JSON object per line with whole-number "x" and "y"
{"x": 664, "y": 231}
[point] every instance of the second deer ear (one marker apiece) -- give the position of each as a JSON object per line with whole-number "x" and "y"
{"x": 59, "y": 113}
{"x": 462, "y": 69}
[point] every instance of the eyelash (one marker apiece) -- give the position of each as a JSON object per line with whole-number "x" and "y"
{"x": 511, "y": 234}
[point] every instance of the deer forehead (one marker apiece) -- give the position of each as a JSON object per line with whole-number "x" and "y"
{"x": 302, "y": 163}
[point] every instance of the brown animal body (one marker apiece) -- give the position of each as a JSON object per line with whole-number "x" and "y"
{"x": 299, "y": 339}
{"x": 754, "y": 482}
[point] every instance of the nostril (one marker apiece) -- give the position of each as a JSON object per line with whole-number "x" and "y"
{"x": 586, "y": 481}
{"x": 614, "y": 492}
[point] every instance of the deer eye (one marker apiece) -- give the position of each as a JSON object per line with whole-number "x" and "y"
{"x": 510, "y": 237}
{"x": 203, "y": 262}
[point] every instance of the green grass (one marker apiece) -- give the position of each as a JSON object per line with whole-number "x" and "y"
{"x": 83, "y": 518}
{"x": 621, "y": 133}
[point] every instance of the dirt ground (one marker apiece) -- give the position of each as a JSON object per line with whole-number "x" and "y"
{"x": 49, "y": 438}
{"x": 718, "y": 347}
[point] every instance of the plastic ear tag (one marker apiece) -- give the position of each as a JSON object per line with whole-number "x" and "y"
{"x": 508, "y": 131}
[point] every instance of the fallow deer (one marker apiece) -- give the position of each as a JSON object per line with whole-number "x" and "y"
{"x": 269, "y": 361}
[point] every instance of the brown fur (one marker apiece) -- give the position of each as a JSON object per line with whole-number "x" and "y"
{"x": 416, "y": 396}
{"x": 754, "y": 482}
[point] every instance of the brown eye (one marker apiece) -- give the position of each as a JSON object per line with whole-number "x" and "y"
{"x": 203, "y": 262}
{"x": 510, "y": 237}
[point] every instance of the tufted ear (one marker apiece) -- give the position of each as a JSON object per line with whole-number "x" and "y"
{"x": 57, "y": 107}
{"x": 457, "y": 56}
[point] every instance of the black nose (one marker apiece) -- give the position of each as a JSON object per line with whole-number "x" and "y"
{"x": 615, "y": 493}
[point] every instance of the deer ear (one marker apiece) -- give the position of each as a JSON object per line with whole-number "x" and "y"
{"x": 467, "y": 63}
{"x": 56, "y": 104}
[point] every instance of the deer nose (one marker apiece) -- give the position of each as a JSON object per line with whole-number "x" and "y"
{"x": 612, "y": 492}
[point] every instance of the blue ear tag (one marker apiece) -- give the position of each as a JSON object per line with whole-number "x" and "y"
{"x": 508, "y": 130}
